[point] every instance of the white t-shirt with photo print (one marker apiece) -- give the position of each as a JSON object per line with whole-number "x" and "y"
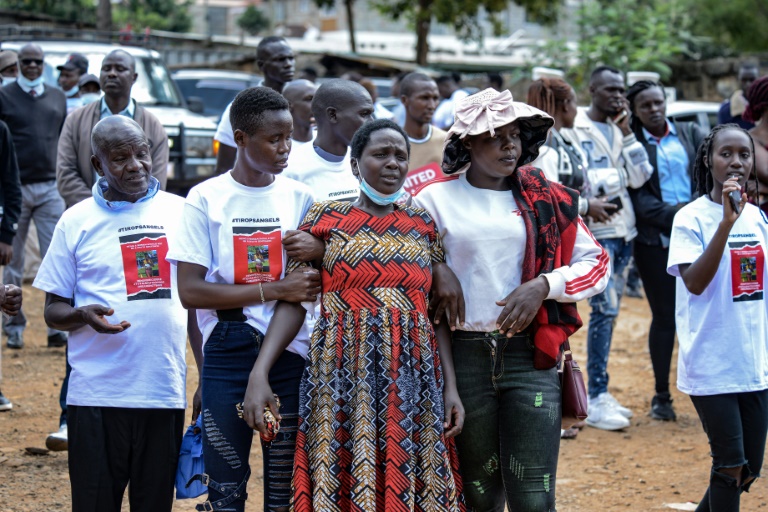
{"x": 723, "y": 333}
{"x": 236, "y": 233}
{"x": 118, "y": 258}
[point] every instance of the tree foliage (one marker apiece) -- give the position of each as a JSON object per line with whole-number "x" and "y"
{"x": 253, "y": 20}
{"x": 462, "y": 15}
{"x": 739, "y": 24}
{"x": 631, "y": 35}
{"x": 154, "y": 14}
{"x": 77, "y": 11}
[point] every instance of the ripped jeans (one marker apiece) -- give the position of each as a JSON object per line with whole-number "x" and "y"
{"x": 736, "y": 425}
{"x": 229, "y": 355}
{"x": 509, "y": 446}
{"x": 605, "y": 309}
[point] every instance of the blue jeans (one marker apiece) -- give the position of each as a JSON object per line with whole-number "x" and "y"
{"x": 605, "y": 309}
{"x": 229, "y": 355}
{"x": 509, "y": 446}
{"x": 736, "y": 425}
{"x": 42, "y": 203}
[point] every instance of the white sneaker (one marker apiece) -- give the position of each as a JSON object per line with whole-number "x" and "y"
{"x": 602, "y": 414}
{"x": 57, "y": 441}
{"x": 616, "y": 405}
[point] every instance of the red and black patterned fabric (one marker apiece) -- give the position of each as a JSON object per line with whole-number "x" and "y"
{"x": 371, "y": 413}
{"x": 551, "y": 223}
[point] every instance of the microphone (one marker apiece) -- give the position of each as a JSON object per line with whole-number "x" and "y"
{"x": 735, "y": 196}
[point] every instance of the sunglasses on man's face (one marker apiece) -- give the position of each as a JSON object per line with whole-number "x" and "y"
{"x": 29, "y": 62}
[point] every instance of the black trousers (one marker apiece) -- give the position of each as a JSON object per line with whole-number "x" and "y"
{"x": 660, "y": 289}
{"x": 736, "y": 425}
{"x": 111, "y": 446}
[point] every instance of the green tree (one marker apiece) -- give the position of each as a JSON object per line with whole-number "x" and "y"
{"x": 460, "y": 14}
{"x": 81, "y": 12}
{"x": 253, "y": 20}
{"x": 154, "y": 14}
{"x": 631, "y": 35}
{"x": 739, "y": 24}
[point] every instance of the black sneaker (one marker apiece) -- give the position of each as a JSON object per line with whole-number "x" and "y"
{"x": 57, "y": 340}
{"x": 5, "y": 404}
{"x": 15, "y": 340}
{"x": 661, "y": 408}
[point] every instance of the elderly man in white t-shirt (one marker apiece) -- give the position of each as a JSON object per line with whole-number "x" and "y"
{"x": 127, "y": 396}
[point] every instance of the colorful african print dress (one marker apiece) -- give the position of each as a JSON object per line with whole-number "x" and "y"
{"x": 371, "y": 413}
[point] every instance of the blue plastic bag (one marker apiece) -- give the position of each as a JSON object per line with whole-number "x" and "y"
{"x": 191, "y": 462}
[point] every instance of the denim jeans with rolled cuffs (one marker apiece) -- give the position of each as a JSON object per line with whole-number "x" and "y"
{"x": 736, "y": 425}
{"x": 605, "y": 309}
{"x": 229, "y": 355}
{"x": 509, "y": 446}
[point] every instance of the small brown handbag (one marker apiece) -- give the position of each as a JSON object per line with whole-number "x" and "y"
{"x": 574, "y": 400}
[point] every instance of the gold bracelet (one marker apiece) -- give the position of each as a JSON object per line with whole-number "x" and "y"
{"x": 261, "y": 292}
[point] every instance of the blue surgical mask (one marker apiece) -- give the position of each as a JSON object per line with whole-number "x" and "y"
{"x": 72, "y": 91}
{"x": 26, "y": 82}
{"x": 90, "y": 97}
{"x": 8, "y": 80}
{"x": 379, "y": 198}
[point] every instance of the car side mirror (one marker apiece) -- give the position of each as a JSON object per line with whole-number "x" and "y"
{"x": 195, "y": 104}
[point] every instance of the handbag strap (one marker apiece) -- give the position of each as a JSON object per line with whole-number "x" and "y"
{"x": 567, "y": 351}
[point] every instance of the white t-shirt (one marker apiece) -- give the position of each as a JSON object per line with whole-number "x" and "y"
{"x": 224, "y": 132}
{"x": 236, "y": 233}
{"x": 723, "y": 333}
{"x": 118, "y": 258}
{"x": 326, "y": 179}
{"x": 484, "y": 237}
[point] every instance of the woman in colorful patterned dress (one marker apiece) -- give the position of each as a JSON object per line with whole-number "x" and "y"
{"x": 379, "y": 405}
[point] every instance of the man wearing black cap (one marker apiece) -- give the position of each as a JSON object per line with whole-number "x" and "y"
{"x": 69, "y": 76}
{"x": 9, "y": 66}
{"x": 90, "y": 89}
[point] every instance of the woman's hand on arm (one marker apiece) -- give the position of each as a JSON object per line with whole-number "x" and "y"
{"x": 60, "y": 314}
{"x": 521, "y": 306}
{"x": 454, "y": 409}
{"x": 283, "y": 328}
{"x": 301, "y": 246}
{"x": 196, "y": 292}
{"x": 447, "y": 296}
{"x": 700, "y": 273}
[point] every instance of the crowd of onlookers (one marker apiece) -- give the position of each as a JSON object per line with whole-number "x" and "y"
{"x": 384, "y": 294}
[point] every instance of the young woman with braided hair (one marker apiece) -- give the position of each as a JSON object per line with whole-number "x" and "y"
{"x": 717, "y": 252}
{"x": 671, "y": 148}
{"x": 757, "y": 112}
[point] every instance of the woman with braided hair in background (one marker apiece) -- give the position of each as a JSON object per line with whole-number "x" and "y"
{"x": 757, "y": 112}
{"x": 671, "y": 148}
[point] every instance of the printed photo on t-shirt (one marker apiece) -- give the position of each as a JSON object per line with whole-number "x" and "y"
{"x": 147, "y": 273}
{"x": 258, "y": 253}
{"x": 747, "y": 263}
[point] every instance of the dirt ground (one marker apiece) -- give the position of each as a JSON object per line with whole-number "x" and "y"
{"x": 650, "y": 466}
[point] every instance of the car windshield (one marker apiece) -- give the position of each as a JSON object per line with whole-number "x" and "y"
{"x": 215, "y": 94}
{"x": 153, "y": 85}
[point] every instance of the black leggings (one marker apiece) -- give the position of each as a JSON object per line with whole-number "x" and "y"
{"x": 736, "y": 425}
{"x": 660, "y": 289}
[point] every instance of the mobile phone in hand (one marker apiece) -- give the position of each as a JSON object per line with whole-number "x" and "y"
{"x": 618, "y": 202}
{"x": 619, "y": 118}
{"x": 735, "y": 198}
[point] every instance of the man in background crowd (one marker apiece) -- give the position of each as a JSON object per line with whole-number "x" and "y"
{"x": 732, "y": 109}
{"x": 69, "y": 78}
{"x": 35, "y": 115}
